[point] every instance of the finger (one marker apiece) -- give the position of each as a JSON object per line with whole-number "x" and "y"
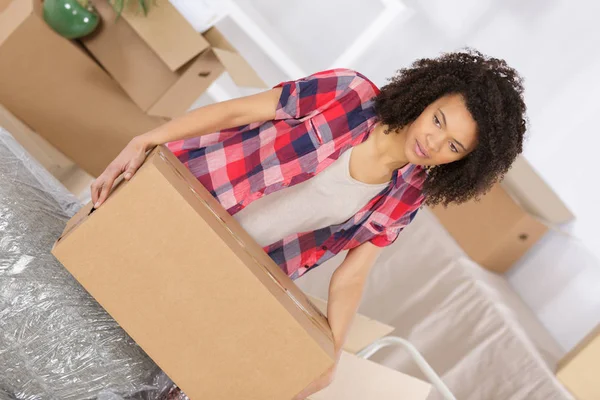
{"x": 134, "y": 165}
{"x": 103, "y": 195}
{"x": 95, "y": 190}
{"x": 107, "y": 185}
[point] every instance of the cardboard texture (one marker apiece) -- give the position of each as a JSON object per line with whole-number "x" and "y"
{"x": 127, "y": 49}
{"x": 578, "y": 370}
{"x": 360, "y": 379}
{"x": 194, "y": 290}
{"x": 363, "y": 331}
{"x": 534, "y": 194}
{"x": 4, "y": 4}
{"x": 495, "y": 231}
{"x": 60, "y": 166}
{"x": 165, "y": 31}
{"x": 55, "y": 88}
{"x": 508, "y": 221}
{"x": 39, "y": 148}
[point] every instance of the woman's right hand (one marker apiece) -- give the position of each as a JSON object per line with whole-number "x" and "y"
{"x": 212, "y": 118}
{"x": 127, "y": 162}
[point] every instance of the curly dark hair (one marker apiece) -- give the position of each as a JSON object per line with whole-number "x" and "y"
{"x": 493, "y": 93}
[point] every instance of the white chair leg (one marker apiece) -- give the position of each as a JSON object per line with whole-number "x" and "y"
{"x": 388, "y": 341}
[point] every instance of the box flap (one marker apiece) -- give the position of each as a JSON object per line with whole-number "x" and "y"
{"x": 360, "y": 379}
{"x": 216, "y": 39}
{"x": 241, "y": 72}
{"x": 166, "y": 31}
{"x": 197, "y": 77}
{"x": 534, "y": 194}
{"x": 12, "y": 14}
{"x": 128, "y": 59}
{"x": 363, "y": 330}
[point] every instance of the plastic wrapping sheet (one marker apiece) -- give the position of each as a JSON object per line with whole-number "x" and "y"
{"x": 56, "y": 342}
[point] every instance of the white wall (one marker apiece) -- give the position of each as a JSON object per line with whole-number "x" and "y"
{"x": 553, "y": 43}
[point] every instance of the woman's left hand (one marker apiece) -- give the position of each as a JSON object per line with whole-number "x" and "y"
{"x": 345, "y": 291}
{"x": 319, "y": 384}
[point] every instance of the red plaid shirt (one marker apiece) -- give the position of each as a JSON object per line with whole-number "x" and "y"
{"x": 317, "y": 119}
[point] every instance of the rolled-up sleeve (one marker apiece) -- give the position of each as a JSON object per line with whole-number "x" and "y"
{"x": 315, "y": 93}
{"x": 390, "y": 234}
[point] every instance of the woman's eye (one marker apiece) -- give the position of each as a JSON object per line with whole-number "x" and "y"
{"x": 436, "y": 121}
{"x": 453, "y": 148}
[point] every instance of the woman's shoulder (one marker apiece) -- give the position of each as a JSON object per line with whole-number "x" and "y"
{"x": 347, "y": 78}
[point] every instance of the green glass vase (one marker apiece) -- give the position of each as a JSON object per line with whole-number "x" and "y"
{"x": 69, "y": 18}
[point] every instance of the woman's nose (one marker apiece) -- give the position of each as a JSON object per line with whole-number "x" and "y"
{"x": 435, "y": 141}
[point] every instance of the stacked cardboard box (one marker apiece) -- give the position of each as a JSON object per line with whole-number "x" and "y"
{"x": 53, "y": 86}
{"x": 162, "y": 63}
{"x": 141, "y": 72}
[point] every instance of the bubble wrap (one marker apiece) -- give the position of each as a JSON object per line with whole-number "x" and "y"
{"x": 56, "y": 342}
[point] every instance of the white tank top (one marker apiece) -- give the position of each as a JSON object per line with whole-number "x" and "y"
{"x": 329, "y": 198}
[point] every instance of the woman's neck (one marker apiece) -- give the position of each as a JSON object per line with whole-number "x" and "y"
{"x": 375, "y": 160}
{"x": 387, "y": 150}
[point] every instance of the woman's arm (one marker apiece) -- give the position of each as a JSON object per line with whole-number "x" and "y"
{"x": 345, "y": 292}
{"x": 346, "y": 289}
{"x": 215, "y": 117}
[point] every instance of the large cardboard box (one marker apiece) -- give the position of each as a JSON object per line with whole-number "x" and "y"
{"x": 164, "y": 73}
{"x": 193, "y": 289}
{"x": 360, "y": 379}
{"x": 500, "y": 228}
{"x": 54, "y": 87}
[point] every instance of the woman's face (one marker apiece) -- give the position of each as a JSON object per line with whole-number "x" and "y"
{"x": 444, "y": 132}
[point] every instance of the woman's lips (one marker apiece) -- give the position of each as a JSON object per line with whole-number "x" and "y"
{"x": 420, "y": 151}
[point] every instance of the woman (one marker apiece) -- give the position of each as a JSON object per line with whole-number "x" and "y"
{"x": 330, "y": 163}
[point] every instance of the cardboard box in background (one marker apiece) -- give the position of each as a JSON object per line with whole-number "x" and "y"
{"x": 578, "y": 370}
{"x": 161, "y": 81}
{"x": 55, "y": 88}
{"x": 193, "y": 289}
{"x": 534, "y": 194}
{"x": 500, "y": 228}
{"x": 360, "y": 379}
{"x": 164, "y": 30}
